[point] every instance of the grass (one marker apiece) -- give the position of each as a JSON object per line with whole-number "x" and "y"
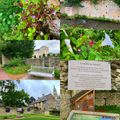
{"x": 31, "y": 117}
{"x": 17, "y": 69}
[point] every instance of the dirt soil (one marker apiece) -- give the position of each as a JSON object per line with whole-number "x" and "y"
{"x": 91, "y": 24}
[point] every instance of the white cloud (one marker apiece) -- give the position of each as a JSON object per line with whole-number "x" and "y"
{"x": 53, "y": 45}
{"x": 36, "y": 88}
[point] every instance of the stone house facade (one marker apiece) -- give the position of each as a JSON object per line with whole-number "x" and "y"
{"x": 43, "y": 51}
{"x": 47, "y": 103}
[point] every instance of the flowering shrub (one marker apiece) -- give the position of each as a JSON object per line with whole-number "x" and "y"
{"x": 89, "y": 44}
{"x": 36, "y": 19}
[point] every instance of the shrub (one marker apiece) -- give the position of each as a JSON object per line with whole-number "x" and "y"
{"x": 36, "y": 19}
{"x": 15, "y": 62}
{"x": 57, "y": 73}
{"x": 9, "y": 18}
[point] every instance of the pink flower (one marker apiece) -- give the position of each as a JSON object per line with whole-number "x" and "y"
{"x": 33, "y": 16}
{"x": 91, "y": 43}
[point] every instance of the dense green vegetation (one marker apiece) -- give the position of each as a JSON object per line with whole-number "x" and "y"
{"x": 26, "y": 20}
{"x": 16, "y": 66}
{"x": 16, "y": 53}
{"x": 12, "y": 97}
{"x": 57, "y": 73}
{"x": 86, "y": 44}
{"x": 108, "y": 108}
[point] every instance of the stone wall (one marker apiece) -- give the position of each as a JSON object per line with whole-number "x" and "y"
{"x": 111, "y": 98}
{"x": 66, "y": 95}
{"x": 115, "y": 66}
{"x": 104, "y": 8}
{"x": 13, "y": 111}
{"x": 44, "y": 62}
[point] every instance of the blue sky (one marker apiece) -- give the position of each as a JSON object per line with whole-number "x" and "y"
{"x": 36, "y": 88}
{"x": 53, "y": 45}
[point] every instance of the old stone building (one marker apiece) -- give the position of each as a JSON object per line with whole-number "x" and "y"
{"x": 43, "y": 51}
{"x": 47, "y": 103}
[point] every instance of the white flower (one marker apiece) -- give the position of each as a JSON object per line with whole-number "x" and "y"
{"x": 67, "y": 42}
{"x": 107, "y": 41}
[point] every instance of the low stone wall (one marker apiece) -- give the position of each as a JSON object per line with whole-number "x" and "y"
{"x": 44, "y": 62}
{"x": 104, "y": 8}
{"x": 107, "y": 97}
{"x": 13, "y": 111}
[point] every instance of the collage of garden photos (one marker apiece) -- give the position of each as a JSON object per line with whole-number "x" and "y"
{"x": 59, "y": 59}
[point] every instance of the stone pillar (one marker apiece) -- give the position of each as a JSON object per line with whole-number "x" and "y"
{"x": 65, "y": 94}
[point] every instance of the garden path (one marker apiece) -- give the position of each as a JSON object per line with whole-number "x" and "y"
{"x": 3, "y": 75}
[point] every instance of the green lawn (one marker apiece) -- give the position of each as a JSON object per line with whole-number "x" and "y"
{"x": 30, "y": 117}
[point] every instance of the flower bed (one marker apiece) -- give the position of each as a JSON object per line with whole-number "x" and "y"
{"x": 84, "y": 44}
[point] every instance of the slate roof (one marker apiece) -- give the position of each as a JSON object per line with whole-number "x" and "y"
{"x": 43, "y": 98}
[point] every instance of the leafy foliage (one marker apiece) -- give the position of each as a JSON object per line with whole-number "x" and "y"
{"x": 16, "y": 66}
{"x": 27, "y": 20}
{"x": 12, "y": 97}
{"x": 23, "y": 49}
{"x": 108, "y": 108}
{"x": 117, "y": 2}
{"x": 9, "y": 17}
{"x": 35, "y": 19}
{"x": 57, "y": 73}
{"x": 86, "y": 44}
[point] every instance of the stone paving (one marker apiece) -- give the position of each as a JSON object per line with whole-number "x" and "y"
{"x": 3, "y": 75}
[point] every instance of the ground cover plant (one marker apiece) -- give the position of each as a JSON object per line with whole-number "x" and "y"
{"x": 16, "y": 54}
{"x": 88, "y": 44}
{"x": 27, "y": 20}
{"x": 108, "y": 108}
{"x": 16, "y": 66}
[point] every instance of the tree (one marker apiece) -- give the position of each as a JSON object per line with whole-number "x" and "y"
{"x": 22, "y": 49}
{"x": 12, "y": 97}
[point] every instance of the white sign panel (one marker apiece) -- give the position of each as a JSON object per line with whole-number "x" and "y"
{"x": 89, "y": 75}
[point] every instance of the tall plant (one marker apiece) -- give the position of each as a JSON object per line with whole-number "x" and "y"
{"x": 36, "y": 18}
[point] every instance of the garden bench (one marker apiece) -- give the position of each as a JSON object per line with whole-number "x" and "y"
{"x": 42, "y": 71}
